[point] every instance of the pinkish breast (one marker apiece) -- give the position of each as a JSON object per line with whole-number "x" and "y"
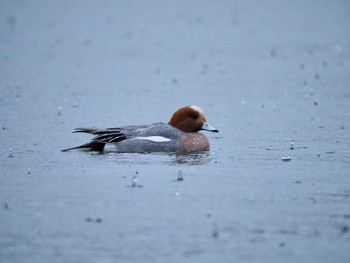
{"x": 194, "y": 142}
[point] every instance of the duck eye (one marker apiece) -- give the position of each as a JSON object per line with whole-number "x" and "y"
{"x": 195, "y": 115}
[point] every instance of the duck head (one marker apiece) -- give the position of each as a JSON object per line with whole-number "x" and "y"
{"x": 190, "y": 119}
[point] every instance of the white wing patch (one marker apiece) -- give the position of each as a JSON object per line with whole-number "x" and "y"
{"x": 153, "y": 138}
{"x": 113, "y": 147}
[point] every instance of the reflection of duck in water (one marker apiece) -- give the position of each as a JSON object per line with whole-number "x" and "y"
{"x": 180, "y": 135}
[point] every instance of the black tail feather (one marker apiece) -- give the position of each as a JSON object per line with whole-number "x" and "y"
{"x": 102, "y": 136}
{"x": 91, "y": 146}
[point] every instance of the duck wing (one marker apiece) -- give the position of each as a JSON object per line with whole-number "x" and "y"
{"x": 109, "y": 135}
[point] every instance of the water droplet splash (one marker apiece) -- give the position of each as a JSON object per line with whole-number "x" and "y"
{"x": 134, "y": 182}
{"x": 286, "y": 158}
{"x": 10, "y": 153}
{"x": 180, "y": 176}
{"x": 215, "y": 231}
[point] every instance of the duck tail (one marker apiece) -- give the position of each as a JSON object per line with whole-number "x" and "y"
{"x": 91, "y": 146}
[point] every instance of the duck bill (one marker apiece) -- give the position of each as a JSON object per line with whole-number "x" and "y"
{"x": 207, "y": 127}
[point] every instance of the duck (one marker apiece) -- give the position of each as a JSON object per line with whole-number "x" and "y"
{"x": 180, "y": 135}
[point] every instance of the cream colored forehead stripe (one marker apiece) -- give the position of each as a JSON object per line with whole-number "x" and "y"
{"x": 196, "y": 108}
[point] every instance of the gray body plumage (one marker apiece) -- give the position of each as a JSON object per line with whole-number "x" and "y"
{"x": 158, "y": 137}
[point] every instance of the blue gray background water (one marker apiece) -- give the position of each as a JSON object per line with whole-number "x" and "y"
{"x": 265, "y": 72}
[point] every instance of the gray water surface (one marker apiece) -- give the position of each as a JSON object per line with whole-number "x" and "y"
{"x": 267, "y": 74}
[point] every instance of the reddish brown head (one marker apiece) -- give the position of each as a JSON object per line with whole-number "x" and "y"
{"x": 190, "y": 119}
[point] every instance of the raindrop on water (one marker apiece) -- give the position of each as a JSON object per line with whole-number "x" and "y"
{"x": 286, "y": 158}
{"x": 209, "y": 214}
{"x": 10, "y": 153}
{"x": 180, "y": 176}
{"x": 215, "y": 231}
{"x": 134, "y": 181}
